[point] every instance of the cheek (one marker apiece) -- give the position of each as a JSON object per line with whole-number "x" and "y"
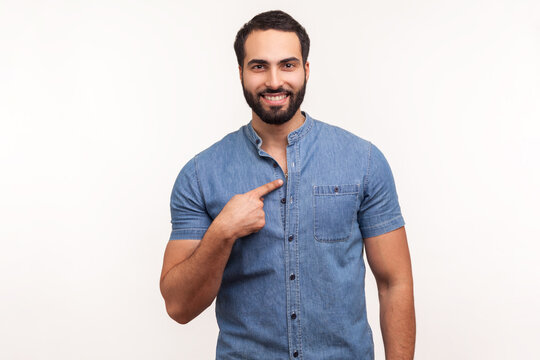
{"x": 296, "y": 80}
{"x": 253, "y": 83}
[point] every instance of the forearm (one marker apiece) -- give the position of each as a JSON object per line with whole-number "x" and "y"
{"x": 191, "y": 286}
{"x": 397, "y": 318}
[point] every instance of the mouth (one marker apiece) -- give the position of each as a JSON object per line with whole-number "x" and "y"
{"x": 275, "y": 99}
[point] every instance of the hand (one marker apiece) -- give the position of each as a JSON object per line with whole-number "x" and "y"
{"x": 244, "y": 214}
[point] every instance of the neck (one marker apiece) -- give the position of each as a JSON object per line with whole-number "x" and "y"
{"x": 275, "y": 136}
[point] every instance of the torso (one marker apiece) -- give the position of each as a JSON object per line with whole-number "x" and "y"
{"x": 311, "y": 230}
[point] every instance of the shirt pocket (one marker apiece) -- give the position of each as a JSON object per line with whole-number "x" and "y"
{"x": 334, "y": 211}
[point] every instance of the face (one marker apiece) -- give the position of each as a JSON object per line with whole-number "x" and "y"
{"x": 273, "y": 76}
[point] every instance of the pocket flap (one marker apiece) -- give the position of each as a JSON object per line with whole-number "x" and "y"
{"x": 336, "y": 189}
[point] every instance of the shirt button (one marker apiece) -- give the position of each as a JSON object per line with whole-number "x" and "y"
{"x": 283, "y": 201}
{"x": 291, "y": 238}
{"x": 292, "y": 277}
{"x": 293, "y": 316}
{"x": 295, "y": 354}
{"x": 257, "y": 141}
{"x": 336, "y": 189}
{"x": 275, "y": 165}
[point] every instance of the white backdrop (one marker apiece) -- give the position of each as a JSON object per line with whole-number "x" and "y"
{"x": 103, "y": 102}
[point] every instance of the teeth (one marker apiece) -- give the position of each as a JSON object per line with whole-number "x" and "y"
{"x": 275, "y": 98}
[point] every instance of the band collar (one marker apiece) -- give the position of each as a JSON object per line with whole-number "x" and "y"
{"x": 293, "y": 136}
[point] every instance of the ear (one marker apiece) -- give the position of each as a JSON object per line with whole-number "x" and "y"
{"x": 306, "y": 69}
{"x": 240, "y": 72}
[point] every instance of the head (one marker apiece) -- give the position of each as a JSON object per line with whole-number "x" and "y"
{"x": 272, "y": 50}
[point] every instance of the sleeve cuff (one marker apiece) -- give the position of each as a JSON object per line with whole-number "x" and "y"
{"x": 383, "y": 227}
{"x": 188, "y": 234}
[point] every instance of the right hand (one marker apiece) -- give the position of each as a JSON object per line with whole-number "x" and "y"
{"x": 243, "y": 214}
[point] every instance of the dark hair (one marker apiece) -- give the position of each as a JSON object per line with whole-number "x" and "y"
{"x": 276, "y": 20}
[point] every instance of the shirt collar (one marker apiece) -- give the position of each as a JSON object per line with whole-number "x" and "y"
{"x": 293, "y": 136}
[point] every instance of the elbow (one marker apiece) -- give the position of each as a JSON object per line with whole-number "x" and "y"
{"x": 180, "y": 307}
{"x": 404, "y": 288}
{"x": 177, "y": 314}
{"x": 175, "y": 310}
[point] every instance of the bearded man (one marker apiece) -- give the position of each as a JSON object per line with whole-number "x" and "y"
{"x": 272, "y": 222}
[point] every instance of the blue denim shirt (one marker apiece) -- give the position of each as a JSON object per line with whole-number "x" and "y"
{"x": 294, "y": 289}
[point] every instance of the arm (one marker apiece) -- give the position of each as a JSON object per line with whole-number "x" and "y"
{"x": 389, "y": 259}
{"x": 192, "y": 272}
{"x": 193, "y": 269}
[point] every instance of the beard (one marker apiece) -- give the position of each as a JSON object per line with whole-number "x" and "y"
{"x": 276, "y": 115}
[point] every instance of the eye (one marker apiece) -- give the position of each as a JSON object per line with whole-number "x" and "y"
{"x": 257, "y": 67}
{"x": 289, "y": 66}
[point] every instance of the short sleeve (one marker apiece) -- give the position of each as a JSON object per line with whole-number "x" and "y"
{"x": 189, "y": 217}
{"x": 379, "y": 211}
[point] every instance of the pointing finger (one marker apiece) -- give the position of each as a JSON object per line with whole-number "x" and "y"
{"x": 266, "y": 188}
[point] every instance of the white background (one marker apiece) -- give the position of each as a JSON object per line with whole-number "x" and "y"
{"x": 103, "y": 102}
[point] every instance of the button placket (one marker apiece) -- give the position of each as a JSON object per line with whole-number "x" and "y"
{"x": 293, "y": 289}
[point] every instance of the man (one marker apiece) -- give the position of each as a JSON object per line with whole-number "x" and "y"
{"x": 273, "y": 219}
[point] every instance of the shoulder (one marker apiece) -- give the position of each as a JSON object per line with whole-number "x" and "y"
{"x": 223, "y": 148}
{"x": 210, "y": 155}
{"x": 337, "y": 135}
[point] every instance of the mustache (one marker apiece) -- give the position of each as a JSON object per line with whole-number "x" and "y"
{"x": 275, "y": 91}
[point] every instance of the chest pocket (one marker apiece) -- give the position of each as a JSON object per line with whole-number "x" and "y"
{"x": 334, "y": 211}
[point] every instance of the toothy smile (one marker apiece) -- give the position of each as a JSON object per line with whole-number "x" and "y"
{"x": 275, "y": 99}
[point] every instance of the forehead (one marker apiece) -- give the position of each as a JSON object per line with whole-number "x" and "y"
{"x": 272, "y": 45}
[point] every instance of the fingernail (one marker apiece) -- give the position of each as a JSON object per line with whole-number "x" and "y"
{"x": 280, "y": 182}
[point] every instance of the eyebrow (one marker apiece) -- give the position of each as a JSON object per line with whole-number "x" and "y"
{"x": 264, "y": 62}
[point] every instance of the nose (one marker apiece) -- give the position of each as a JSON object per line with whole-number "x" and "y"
{"x": 273, "y": 80}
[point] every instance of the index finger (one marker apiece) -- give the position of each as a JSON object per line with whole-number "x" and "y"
{"x": 266, "y": 188}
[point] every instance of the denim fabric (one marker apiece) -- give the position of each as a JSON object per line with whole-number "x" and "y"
{"x": 294, "y": 289}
